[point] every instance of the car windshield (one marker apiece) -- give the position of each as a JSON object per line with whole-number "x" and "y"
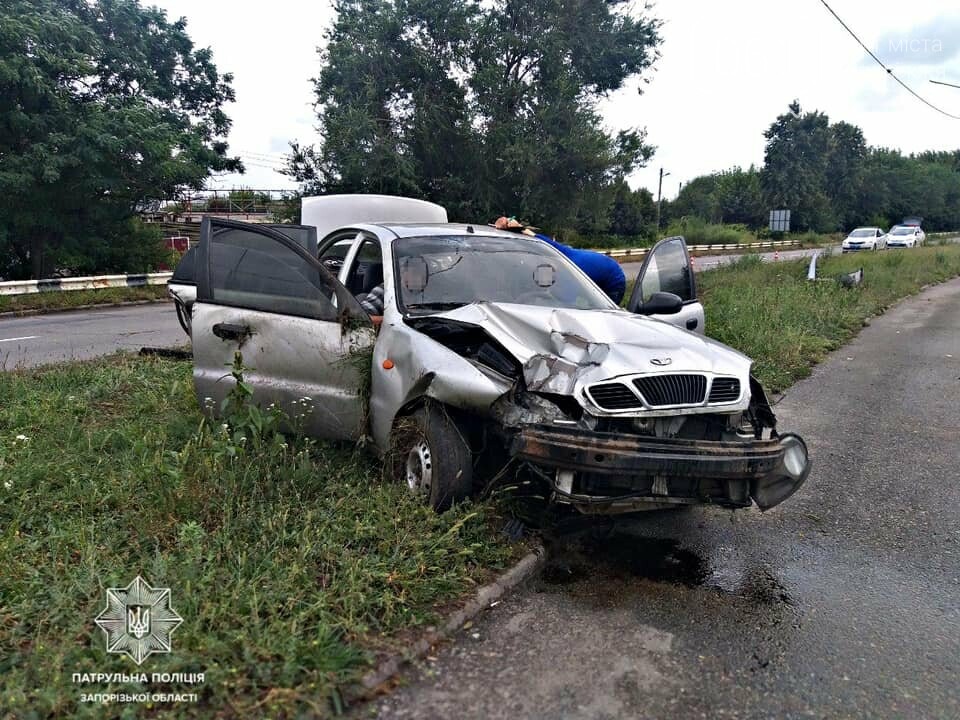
{"x": 444, "y": 272}
{"x": 864, "y": 232}
{"x": 902, "y": 231}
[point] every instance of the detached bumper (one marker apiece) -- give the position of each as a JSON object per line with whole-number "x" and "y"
{"x": 608, "y": 473}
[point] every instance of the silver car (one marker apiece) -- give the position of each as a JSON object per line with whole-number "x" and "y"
{"x": 494, "y": 357}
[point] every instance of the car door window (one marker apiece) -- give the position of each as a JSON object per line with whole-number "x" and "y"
{"x": 366, "y": 271}
{"x": 334, "y": 249}
{"x": 668, "y": 270}
{"x": 250, "y": 269}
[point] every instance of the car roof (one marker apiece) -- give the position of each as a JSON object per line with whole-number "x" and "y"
{"x": 406, "y": 230}
{"x": 865, "y": 228}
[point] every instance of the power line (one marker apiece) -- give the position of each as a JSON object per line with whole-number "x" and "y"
{"x": 259, "y": 164}
{"x": 889, "y": 70}
{"x": 265, "y": 156}
{"x": 937, "y": 82}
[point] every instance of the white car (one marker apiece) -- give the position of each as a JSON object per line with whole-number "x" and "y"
{"x": 906, "y": 236}
{"x": 493, "y": 357}
{"x": 865, "y": 238}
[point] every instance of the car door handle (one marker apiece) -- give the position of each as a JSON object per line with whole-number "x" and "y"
{"x": 692, "y": 324}
{"x": 229, "y": 331}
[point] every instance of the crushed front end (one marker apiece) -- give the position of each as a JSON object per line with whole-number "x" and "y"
{"x": 598, "y": 472}
{"x": 614, "y": 413}
{"x": 620, "y": 464}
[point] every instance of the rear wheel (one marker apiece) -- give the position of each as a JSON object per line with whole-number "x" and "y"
{"x": 429, "y": 454}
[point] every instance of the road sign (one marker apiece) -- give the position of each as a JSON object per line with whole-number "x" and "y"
{"x": 780, "y": 221}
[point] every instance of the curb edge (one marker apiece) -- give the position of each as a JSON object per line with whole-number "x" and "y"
{"x": 52, "y": 311}
{"x": 524, "y": 569}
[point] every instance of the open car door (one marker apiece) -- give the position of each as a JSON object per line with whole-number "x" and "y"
{"x": 667, "y": 269}
{"x": 303, "y": 336}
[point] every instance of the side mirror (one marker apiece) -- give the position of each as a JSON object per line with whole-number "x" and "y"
{"x": 661, "y": 303}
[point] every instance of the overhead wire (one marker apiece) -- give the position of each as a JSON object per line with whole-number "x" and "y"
{"x": 884, "y": 66}
{"x": 938, "y": 82}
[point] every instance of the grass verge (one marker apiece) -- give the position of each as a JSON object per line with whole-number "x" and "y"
{"x": 67, "y": 299}
{"x": 290, "y": 566}
{"x": 772, "y": 313}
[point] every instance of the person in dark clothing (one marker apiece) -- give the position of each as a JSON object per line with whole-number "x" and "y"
{"x": 602, "y": 269}
{"x": 372, "y": 302}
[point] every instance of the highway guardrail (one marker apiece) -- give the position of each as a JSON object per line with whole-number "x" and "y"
{"x": 25, "y": 287}
{"x": 771, "y": 244}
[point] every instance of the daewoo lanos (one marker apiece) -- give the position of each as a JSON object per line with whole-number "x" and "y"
{"x": 494, "y": 356}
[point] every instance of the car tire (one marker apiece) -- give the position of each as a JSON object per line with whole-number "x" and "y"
{"x": 431, "y": 456}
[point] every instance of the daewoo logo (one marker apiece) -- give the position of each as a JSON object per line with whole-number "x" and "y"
{"x": 661, "y": 362}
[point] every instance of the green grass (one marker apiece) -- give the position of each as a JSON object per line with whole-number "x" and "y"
{"x": 290, "y": 564}
{"x": 772, "y": 313}
{"x": 66, "y": 299}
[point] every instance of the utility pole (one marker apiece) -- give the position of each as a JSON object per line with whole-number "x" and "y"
{"x": 660, "y": 197}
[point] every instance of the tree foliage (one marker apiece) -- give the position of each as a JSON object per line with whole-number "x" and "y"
{"x": 485, "y": 107}
{"x": 830, "y": 179}
{"x": 104, "y": 106}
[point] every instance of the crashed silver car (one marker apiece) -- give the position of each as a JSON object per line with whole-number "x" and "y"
{"x": 495, "y": 356}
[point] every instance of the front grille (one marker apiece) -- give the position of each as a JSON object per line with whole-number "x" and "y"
{"x": 725, "y": 390}
{"x": 661, "y": 390}
{"x": 614, "y": 396}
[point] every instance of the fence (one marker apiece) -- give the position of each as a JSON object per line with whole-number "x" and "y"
{"x": 640, "y": 252}
{"x": 26, "y": 287}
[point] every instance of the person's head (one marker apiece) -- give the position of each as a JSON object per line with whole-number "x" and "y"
{"x": 513, "y": 225}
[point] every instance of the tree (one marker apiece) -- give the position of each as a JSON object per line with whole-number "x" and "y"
{"x": 485, "y": 107}
{"x": 843, "y": 176}
{"x": 795, "y": 165}
{"x": 632, "y": 212}
{"x": 104, "y": 106}
{"x": 698, "y": 198}
{"x": 740, "y": 198}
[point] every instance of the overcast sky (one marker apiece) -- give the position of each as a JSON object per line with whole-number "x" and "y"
{"x": 727, "y": 70}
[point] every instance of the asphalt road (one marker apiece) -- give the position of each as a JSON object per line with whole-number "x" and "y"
{"x": 843, "y": 602}
{"x": 43, "y": 339}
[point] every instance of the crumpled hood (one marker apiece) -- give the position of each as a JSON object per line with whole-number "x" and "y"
{"x": 560, "y": 348}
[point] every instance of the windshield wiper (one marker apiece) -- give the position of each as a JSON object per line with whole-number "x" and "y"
{"x": 436, "y": 306}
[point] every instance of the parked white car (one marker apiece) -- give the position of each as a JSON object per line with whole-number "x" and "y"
{"x": 906, "y": 236}
{"x": 494, "y": 357}
{"x": 865, "y": 238}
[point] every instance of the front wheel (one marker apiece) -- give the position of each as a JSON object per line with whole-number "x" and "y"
{"x": 431, "y": 456}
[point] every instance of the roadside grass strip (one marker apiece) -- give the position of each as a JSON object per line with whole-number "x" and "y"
{"x": 66, "y": 299}
{"x": 289, "y": 561}
{"x": 786, "y": 323}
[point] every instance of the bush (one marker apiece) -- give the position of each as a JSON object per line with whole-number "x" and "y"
{"x": 699, "y": 232}
{"x": 128, "y": 247}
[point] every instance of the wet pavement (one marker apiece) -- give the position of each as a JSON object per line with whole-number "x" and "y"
{"x": 843, "y": 602}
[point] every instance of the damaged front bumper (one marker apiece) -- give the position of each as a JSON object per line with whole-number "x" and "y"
{"x": 605, "y": 473}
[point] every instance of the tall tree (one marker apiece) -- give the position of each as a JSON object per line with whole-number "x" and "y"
{"x": 104, "y": 105}
{"x": 843, "y": 177}
{"x": 795, "y": 165}
{"x": 485, "y": 107}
